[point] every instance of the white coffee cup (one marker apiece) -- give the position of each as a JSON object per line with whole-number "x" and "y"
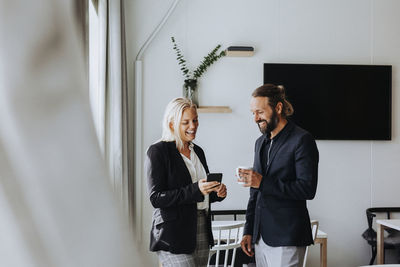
{"x": 243, "y": 179}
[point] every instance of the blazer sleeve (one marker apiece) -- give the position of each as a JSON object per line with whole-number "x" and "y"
{"x": 157, "y": 177}
{"x": 250, "y": 212}
{"x": 304, "y": 186}
{"x": 215, "y": 198}
{"x": 251, "y": 205}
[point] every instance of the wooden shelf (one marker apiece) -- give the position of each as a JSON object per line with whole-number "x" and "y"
{"x": 214, "y": 109}
{"x": 239, "y": 53}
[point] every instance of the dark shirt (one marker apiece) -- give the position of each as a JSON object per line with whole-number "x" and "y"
{"x": 268, "y": 147}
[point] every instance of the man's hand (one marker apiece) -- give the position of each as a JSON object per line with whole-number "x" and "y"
{"x": 250, "y": 177}
{"x": 246, "y": 245}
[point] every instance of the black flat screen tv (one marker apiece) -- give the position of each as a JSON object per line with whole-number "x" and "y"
{"x": 337, "y": 102}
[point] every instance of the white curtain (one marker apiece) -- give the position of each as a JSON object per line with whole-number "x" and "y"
{"x": 110, "y": 95}
{"x": 56, "y": 203}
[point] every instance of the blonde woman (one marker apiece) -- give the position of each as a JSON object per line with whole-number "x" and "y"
{"x": 176, "y": 175}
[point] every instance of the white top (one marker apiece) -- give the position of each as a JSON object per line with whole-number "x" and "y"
{"x": 197, "y": 172}
{"x": 392, "y": 223}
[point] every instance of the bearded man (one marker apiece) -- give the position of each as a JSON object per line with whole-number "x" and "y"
{"x": 284, "y": 177}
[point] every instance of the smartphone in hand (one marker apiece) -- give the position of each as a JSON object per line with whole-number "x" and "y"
{"x": 214, "y": 177}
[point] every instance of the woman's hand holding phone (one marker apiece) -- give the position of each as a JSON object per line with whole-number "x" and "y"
{"x": 221, "y": 192}
{"x": 207, "y": 187}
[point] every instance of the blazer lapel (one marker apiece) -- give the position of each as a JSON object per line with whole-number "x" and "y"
{"x": 180, "y": 162}
{"x": 258, "y": 153}
{"x": 279, "y": 143}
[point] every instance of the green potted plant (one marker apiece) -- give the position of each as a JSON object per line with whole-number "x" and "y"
{"x": 190, "y": 83}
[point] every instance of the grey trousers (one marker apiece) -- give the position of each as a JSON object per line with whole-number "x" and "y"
{"x": 199, "y": 257}
{"x": 267, "y": 256}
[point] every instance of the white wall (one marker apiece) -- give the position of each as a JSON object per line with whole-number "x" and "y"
{"x": 353, "y": 175}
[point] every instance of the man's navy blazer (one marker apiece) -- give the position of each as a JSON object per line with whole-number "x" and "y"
{"x": 174, "y": 197}
{"x": 277, "y": 209}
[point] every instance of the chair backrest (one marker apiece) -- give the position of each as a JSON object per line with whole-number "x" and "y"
{"x": 371, "y": 213}
{"x": 233, "y": 213}
{"x": 228, "y": 237}
{"x": 314, "y": 231}
{"x": 370, "y": 233}
{"x": 383, "y": 265}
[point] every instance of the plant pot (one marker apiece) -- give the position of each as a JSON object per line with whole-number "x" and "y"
{"x": 190, "y": 91}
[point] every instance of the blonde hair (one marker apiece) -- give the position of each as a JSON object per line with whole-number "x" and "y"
{"x": 173, "y": 114}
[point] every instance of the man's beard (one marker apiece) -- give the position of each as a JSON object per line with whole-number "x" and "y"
{"x": 270, "y": 125}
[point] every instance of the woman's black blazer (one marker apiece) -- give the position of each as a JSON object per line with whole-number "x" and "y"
{"x": 174, "y": 197}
